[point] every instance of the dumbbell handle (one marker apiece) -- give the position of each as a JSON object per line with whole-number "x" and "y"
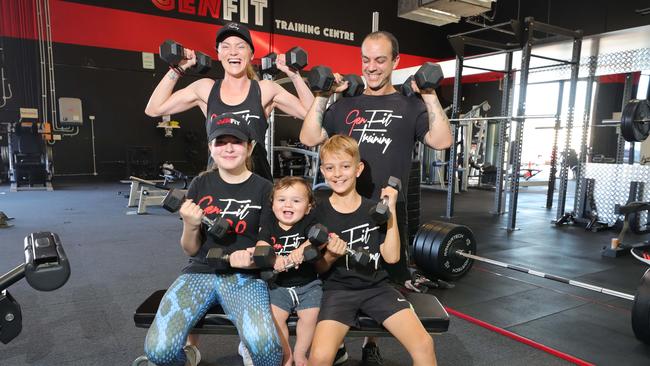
{"x": 351, "y": 251}
{"x": 12, "y": 277}
{"x": 207, "y": 221}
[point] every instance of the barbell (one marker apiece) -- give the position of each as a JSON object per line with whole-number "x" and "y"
{"x": 635, "y": 120}
{"x": 447, "y": 251}
{"x": 509, "y": 118}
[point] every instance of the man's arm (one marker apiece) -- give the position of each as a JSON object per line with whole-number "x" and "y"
{"x": 439, "y": 135}
{"x": 312, "y": 132}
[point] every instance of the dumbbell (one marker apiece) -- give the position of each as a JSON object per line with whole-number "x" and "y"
{"x": 380, "y": 212}
{"x": 173, "y": 53}
{"x": 175, "y": 198}
{"x": 355, "y": 85}
{"x": 296, "y": 58}
{"x": 321, "y": 78}
{"x": 406, "y": 88}
{"x": 310, "y": 254}
{"x": 318, "y": 235}
{"x": 428, "y": 76}
{"x": 263, "y": 257}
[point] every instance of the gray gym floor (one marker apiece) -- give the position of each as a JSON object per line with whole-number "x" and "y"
{"x": 118, "y": 260}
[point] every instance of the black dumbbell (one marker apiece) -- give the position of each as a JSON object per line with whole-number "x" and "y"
{"x": 173, "y": 53}
{"x": 321, "y": 78}
{"x": 218, "y": 259}
{"x": 428, "y": 76}
{"x": 355, "y": 85}
{"x": 380, "y": 212}
{"x": 406, "y": 88}
{"x": 263, "y": 257}
{"x": 318, "y": 235}
{"x": 310, "y": 254}
{"x": 175, "y": 198}
{"x": 296, "y": 58}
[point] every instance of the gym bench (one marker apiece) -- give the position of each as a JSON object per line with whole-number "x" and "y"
{"x": 145, "y": 193}
{"x": 432, "y": 314}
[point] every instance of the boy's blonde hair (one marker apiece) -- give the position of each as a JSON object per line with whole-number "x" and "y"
{"x": 338, "y": 144}
{"x": 290, "y": 181}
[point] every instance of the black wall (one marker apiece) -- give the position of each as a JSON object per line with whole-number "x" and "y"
{"x": 114, "y": 87}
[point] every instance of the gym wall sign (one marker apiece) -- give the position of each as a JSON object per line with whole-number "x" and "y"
{"x": 247, "y": 11}
{"x": 315, "y": 30}
{"x": 254, "y": 13}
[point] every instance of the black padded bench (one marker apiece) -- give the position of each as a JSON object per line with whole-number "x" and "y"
{"x": 433, "y": 316}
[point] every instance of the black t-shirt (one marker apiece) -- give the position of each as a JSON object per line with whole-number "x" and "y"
{"x": 252, "y": 111}
{"x": 359, "y": 231}
{"x": 386, "y": 128}
{"x": 284, "y": 242}
{"x": 242, "y": 204}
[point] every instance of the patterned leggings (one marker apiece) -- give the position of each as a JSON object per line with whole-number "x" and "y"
{"x": 244, "y": 299}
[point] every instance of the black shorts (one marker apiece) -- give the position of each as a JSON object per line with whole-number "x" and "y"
{"x": 345, "y": 306}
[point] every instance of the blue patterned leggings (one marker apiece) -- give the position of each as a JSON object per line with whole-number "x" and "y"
{"x": 244, "y": 298}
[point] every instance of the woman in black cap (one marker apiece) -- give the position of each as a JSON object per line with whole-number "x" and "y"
{"x": 229, "y": 191}
{"x": 238, "y": 92}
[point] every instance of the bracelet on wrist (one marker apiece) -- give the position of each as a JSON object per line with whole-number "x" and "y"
{"x": 177, "y": 70}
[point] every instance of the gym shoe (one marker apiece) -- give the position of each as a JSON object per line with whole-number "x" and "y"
{"x": 192, "y": 354}
{"x": 341, "y": 355}
{"x": 245, "y": 355}
{"x": 370, "y": 355}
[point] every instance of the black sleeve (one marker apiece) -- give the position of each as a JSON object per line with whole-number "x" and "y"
{"x": 421, "y": 120}
{"x": 266, "y": 223}
{"x": 309, "y": 221}
{"x": 193, "y": 189}
{"x": 266, "y": 214}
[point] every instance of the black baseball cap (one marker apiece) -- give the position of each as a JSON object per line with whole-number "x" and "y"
{"x": 235, "y": 29}
{"x": 228, "y": 124}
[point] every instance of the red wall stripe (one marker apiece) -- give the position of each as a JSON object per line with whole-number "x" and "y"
{"x": 87, "y": 25}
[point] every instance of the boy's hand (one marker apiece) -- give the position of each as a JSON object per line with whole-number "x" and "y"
{"x": 391, "y": 193}
{"x": 191, "y": 213}
{"x": 242, "y": 258}
{"x": 297, "y": 256}
{"x": 336, "y": 246}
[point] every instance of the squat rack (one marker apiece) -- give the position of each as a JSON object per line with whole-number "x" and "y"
{"x": 524, "y": 35}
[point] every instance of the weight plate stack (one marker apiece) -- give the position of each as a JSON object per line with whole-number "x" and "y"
{"x": 413, "y": 200}
{"x": 634, "y": 124}
{"x": 435, "y": 245}
{"x": 641, "y": 310}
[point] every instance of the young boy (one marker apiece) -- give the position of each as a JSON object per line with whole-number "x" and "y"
{"x": 297, "y": 289}
{"x": 348, "y": 288}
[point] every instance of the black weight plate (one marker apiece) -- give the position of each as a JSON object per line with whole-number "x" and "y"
{"x": 635, "y": 110}
{"x": 417, "y": 240}
{"x": 441, "y": 260}
{"x": 413, "y": 211}
{"x": 641, "y": 310}
{"x": 428, "y": 264}
{"x": 422, "y": 237}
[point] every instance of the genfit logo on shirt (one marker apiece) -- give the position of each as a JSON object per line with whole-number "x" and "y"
{"x": 245, "y": 114}
{"x": 360, "y": 235}
{"x": 287, "y": 243}
{"x": 372, "y": 129}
